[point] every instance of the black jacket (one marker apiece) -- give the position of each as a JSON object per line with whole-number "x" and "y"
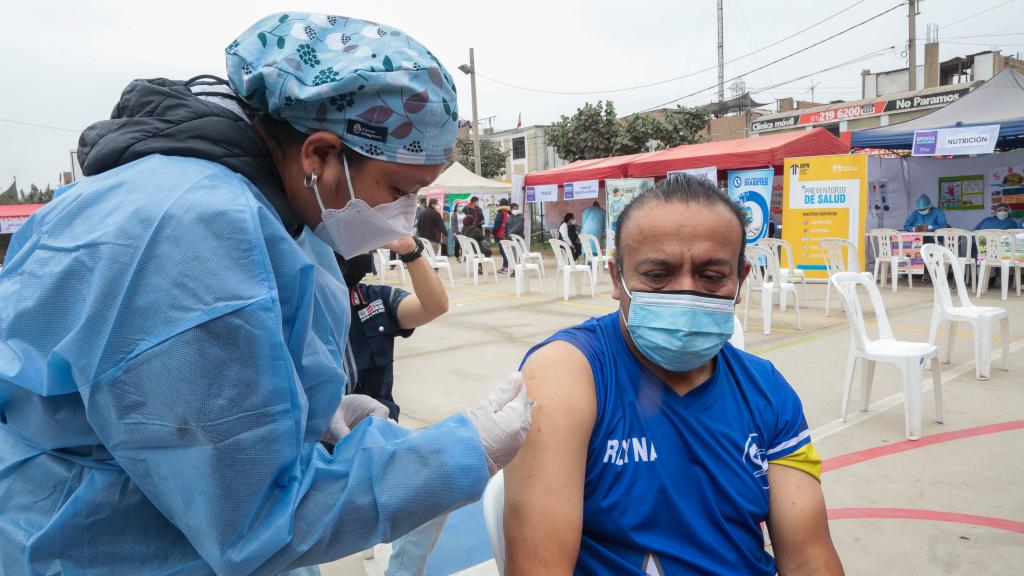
{"x": 161, "y": 116}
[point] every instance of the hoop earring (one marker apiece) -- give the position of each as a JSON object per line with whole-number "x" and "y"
{"x": 310, "y": 181}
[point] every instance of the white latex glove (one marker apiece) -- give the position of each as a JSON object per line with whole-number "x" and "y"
{"x": 353, "y": 409}
{"x": 502, "y": 420}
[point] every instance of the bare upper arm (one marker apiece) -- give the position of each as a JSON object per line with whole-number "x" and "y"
{"x": 544, "y": 484}
{"x": 798, "y": 524}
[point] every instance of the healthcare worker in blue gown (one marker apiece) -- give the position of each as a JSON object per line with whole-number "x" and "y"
{"x": 925, "y": 218}
{"x": 172, "y": 342}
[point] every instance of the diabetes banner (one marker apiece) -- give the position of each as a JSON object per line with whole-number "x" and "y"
{"x": 824, "y": 197}
{"x": 752, "y": 190}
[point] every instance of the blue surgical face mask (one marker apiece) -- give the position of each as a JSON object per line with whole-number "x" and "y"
{"x": 679, "y": 330}
{"x": 924, "y": 211}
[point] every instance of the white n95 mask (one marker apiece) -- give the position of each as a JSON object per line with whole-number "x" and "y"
{"x": 357, "y": 228}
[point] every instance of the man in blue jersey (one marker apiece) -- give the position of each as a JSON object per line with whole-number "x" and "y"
{"x": 656, "y": 446}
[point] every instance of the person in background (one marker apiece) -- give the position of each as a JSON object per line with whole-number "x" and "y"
{"x": 594, "y": 221}
{"x": 925, "y": 218}
{"x": 432, "y": 225}
{"x": 999, "y": 220}
{"x": 455, "y": 216}
{"x": 568, "y": 234}
{"x": 380, "y": 315}
{"x": 166, "y": 381}
{"x": 421, "y": 206}
{"x": 477, "y": 211}
{"x": 657, "y": 447}
{"x": 517, "y": 222}
{"x": 617, "y": 204}
{"x": 499, "y": 231}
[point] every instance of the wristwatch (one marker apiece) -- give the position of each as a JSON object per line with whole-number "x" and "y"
{"x": 412, "y": 256}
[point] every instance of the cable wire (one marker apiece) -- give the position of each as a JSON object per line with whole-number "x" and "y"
{"x": 34, "y": 125}
{"x": 669, "y": 80}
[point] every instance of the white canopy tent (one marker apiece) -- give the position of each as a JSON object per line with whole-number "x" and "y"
{"x": 457, "y": 179}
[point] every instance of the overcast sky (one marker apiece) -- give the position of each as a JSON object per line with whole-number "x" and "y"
{"x": 65, "y": 62}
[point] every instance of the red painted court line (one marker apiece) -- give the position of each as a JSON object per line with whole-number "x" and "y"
{"x": 930, "y": 515}
{"x": 859, "y": 456}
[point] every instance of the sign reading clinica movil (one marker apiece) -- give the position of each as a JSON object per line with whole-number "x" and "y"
{"x": 824, "y": 197}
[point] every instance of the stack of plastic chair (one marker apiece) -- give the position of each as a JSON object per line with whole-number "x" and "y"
{"x": 593, "y": 255}
{"x": 981, "y": 318}
{"x": 789, "y": 272}
{"x": 996, "y": 248}
{"x": 519, "y": 267}
{"x": 909, "y": 357}
{"x": 959, "y": 242}
{"x": 493, "y": 502}
{"x": 568, "y": 268}
{"x": 765, "y": 278}
{"x": 386, "y": 262}
{"x": 477, "y": 259}
{"x": 436, "y": 262}
{"x": 840, "y": 256}
{"x": 887, "y": 264}
{"x": 737, "y": 339}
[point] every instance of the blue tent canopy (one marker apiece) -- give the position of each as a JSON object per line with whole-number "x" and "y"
{"x": 998, "y": 101}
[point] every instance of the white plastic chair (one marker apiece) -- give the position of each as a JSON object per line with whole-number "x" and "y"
{"x": 996, "y": 249}
{"x": 738, "y": 339}
{"x": 765, "y": 278}
{"x": 436, "y": 262}
{"x": 981, "y": 318}
{"x": 592, "y": 254}
{"x": 837, "y": 261}
{"x": 959, "y": 242}
{"x": 909, "y": 357}
{"x": 519, "y": 268}
{"x": 527, "y": 255}
{"x": 474, "y": 258}
{"x": 887, "y": 263}
{"x": 567, "y": 268}
{"x": 789, "y": 272}
{"x": 386, "y": 262}
{"x": 493, "y": 502}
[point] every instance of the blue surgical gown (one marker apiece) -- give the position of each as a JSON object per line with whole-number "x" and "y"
{"x": 993, "y": 223}
{"x": 169, "y": 357}
{"x": 935, "y": 219}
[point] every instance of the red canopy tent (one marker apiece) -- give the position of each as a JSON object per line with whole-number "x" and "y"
{"x": 580, "y": 170}
{"x": 13, "y": 215}
{"x": 742, "y": 153}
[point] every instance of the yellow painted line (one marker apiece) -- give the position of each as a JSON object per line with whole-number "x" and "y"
{"x": 538, "y": 299}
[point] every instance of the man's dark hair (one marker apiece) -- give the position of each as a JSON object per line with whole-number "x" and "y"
{"x": 514, "y": 205}
{"x": 474, "y": 199}
{"x": 684, "y": 189}
{"x": 596, "y": 204}
{"x": 503, "y": 202}
{"x": 432, "y": 202}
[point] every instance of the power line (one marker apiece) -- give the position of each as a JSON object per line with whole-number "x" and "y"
{"x": 777, "y": 60}
{"x": 966, "y": 18}
{"x": 34, "y": 125}
{"x": 669, "y": 80}
{"x": 829, "y": 69}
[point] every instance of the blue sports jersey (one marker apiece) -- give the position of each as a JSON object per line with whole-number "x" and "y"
{"x": 678, "y": 484}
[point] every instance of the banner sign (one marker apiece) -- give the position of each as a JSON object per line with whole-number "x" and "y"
{"x": 752, "y": 190}
{"x": 1006, "y": 185}
{"x": 544, "y": 193}
{"x": 824, "y": 197}
{"x": 620, "y": 193}
{"x": 581, "y": 190}
{"x": 11, "y": 225}
{"x": 956, "y": 141}
{"x": 708, "y": 173}
{"x": 853, "y": 111}
{"x": 909, "y": 244}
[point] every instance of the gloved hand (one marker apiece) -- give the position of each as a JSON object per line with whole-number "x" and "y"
{"x": 352, "y": 410}
{"x": 502, "y": 420}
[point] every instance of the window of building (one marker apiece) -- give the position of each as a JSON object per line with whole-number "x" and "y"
{"x": 519, "y": 148}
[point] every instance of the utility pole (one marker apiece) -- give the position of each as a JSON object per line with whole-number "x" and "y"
{"x": 471, "y": 70}
{"x": 721, "y": 55}
{"x": 912, "y": 43}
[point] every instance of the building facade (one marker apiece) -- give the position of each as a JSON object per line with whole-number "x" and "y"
{"x": 526, "y": 149}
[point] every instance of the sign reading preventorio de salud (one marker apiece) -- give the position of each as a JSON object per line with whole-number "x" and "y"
{"x": 852, "y": 112}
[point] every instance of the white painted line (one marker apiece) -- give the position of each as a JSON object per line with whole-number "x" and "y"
{"x": 896, "y": 399}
